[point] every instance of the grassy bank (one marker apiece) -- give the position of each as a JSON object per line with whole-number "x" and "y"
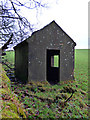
{"x": 10, "y": 106}
{"x": 41, "y": 100}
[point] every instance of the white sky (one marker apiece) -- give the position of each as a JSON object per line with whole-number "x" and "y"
{"x": 71, "y": 16}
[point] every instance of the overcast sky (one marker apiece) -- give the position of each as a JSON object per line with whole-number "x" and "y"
{"x": 71, "y": 16}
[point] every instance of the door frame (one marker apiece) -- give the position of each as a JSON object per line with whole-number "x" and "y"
{"x": 58, "y": 53}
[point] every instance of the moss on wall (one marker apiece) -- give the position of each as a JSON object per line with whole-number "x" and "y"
{"x": 10, "y": 106}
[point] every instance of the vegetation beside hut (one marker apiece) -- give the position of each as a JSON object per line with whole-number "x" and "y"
{"x": 11, "y": 106}
{"x": 41, "y": 100}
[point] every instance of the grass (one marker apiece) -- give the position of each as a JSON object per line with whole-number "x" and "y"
{"x": 9, "y": 59}
{"x": 10, "y": 56}
{"x": 9, "y": 103}
{"x": 41, "y": 100}
{"x": 81, "y": 69}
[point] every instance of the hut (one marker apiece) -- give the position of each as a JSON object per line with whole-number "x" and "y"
{"x": 47, "y": 55}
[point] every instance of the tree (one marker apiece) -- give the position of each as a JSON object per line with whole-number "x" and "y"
{"x": 12, "y": 22}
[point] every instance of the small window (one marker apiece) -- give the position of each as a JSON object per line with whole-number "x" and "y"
{"x": 55, "y": 61}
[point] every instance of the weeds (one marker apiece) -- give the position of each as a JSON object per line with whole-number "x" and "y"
{"x": 42, "y": 100}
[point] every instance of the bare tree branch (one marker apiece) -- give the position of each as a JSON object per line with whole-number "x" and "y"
{"x": 7, "y": 43}
{"x": 9, "y": 17}
{"x": 15, "y": 10}
{"x": 7, "y": 65}
{"x": 14, "y": 22}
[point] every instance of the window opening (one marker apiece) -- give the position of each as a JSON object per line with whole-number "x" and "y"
{"x": 55, "y": 61}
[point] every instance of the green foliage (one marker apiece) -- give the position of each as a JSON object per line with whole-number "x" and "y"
{"x": 10, "y": 107}
{"x": 9, "y": 114}
{"x": 9, "y": 59}
{"x": 10, "y": 56}
{"x": 45, "y": 101}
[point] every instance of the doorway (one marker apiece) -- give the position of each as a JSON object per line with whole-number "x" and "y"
{"x": 53, "y": 66}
